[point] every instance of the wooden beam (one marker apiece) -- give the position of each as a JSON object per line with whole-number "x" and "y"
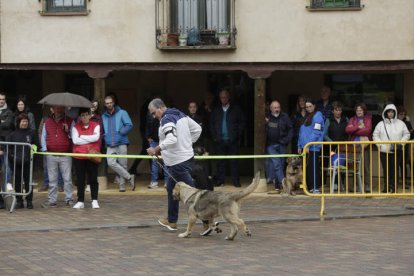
{"x": 259, "y": 123}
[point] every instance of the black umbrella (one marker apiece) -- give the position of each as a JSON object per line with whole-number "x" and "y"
{"x": 66, "y": 99}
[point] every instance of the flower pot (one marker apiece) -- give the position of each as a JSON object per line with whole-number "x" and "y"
{"x": 223, "y": 38}
{"x": 182, "y": 39}
{"x": 172, "y": 39}
{"x": 208, "y": 37}
{"x": 163, "y": 40}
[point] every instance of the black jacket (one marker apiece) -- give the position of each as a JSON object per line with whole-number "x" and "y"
{"x": 21, "y": 153}
{"x": 279, "y": 130}
{"x": 235, "y": 123}
{"x": 151, "y": 128}
{"x": 6, "y": 123}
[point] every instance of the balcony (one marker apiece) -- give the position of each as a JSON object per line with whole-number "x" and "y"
{"x": 195, "y": 24}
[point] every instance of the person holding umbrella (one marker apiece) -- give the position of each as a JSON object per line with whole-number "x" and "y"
{"x": 56, "y": 138}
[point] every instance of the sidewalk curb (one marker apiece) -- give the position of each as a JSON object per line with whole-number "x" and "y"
{"x": 183, "y": 223}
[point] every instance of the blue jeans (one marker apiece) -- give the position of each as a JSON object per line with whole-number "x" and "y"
{"x": 179, "y": 172}
{"x": 5, "y": 166}
{"x": 155, "y": 167}
{"x": 270, "y": 174}
{"x": 277, "y": 164}
{"x": 313, "y": 170}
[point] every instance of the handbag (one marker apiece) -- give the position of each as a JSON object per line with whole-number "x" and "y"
{"x": 392, "y": 146}
{"x": 97, "y": 159}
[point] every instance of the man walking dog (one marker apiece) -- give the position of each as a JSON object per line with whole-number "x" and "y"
{"x": 177, "y": 133}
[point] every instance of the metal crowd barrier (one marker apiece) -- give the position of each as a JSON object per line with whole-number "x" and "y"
{"x": 355, "y": 169}
{"x": 15, "y": 157}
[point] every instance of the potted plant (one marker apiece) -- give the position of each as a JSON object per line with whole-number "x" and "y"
{"x": 182, "y": 39}
{"x": 172, "y": 39}
{"x": 223, "y": 38}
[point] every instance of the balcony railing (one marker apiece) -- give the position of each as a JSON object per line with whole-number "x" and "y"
{"x": 195, "y": 24}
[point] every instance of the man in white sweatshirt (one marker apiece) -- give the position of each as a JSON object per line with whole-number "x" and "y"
{"x": 177, "y": 134}
{"x": 390, "y": 129}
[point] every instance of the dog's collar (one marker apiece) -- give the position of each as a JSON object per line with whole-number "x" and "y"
{"x": 197, "y": 194}
{"x": 191, "y": 196}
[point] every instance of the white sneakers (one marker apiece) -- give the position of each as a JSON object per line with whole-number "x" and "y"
{"x": 132, "y": 181}
{"x": 95, "y": 204}
{"x": 81, "y": 205}
{"x": 153, "y": 185}
{"x": 9, "y": 187}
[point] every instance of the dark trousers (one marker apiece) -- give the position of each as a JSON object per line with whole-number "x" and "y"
{"x": 401, "y": 162}
{"x": 83, "y": 166}
{"x": 144, "y": 146}
{"x": 313, "y": 170}
{"x": 388, "y": 160}
{"x": 227, "y": 148}
{"x": 179, "y": 172}
{"x": 25, "y": 170}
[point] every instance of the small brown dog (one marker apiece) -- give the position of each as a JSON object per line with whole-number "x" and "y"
{"x": 293, "y": 175}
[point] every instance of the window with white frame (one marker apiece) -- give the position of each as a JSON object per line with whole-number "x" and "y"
{"x": 65, "y": 6}
{"x": 208, "y": 19}
{"x": 200, "y": 14}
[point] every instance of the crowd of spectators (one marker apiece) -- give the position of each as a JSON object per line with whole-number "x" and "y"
{"x": 222, "y": 124}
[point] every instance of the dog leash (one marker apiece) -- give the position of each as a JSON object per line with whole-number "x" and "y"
{"x": 163, "y": 168}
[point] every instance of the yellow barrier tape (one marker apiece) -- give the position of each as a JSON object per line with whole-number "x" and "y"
{"x": 204, "y": 157}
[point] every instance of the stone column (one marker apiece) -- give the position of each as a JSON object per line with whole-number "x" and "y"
{"x": 259, "y": 123}
{"x": 99, "y": 76}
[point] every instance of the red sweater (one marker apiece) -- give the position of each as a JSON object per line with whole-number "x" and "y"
{"x": 96, "y": 146}
{"x": 354, "y": 131}
{"x": 57, "y": 139}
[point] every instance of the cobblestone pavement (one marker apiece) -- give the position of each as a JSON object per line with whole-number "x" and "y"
{"x": 124, "y": 238}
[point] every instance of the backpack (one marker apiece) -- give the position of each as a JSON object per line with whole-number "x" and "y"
{"x": 193, "y": 37}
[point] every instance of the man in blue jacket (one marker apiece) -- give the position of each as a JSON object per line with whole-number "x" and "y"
{"x": 117, "y": 124}
{"x": 279, "y": 132}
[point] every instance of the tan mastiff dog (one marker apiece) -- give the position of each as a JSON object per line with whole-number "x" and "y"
{"x": 206, "y": 205}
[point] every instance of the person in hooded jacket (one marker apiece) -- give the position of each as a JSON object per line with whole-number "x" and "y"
{"x": 20, "y": 156}
{"x": 312, "y": 131}
{"x": 390, "y": 129}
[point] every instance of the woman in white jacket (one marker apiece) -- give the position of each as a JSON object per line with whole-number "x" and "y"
{"x": 390, "y": 129}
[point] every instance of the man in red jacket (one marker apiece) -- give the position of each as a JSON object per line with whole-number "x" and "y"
{"x": 56, "y": 138}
